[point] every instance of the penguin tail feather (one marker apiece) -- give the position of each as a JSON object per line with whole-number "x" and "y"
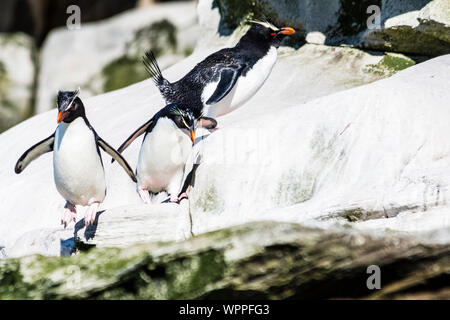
{"x": 153, "y": 69}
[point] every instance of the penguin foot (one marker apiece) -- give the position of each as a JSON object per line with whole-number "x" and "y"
{"x": 182, "y": 196}
{"x": 173, "y": 199}
{"x": 178, "y": 199}
{"x": 69, "y": 214}
{"x": 91, "y": 214}
{"x": 145, "y": 196}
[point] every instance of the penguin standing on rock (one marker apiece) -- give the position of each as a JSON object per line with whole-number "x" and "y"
{"x": 167, "y": 144}
{"x": 77, "y": 164}
{"x": 228, "y": 78}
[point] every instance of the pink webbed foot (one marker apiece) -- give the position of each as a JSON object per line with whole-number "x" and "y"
{"x": 174, "y": 199}
{"x": 91, "y": 214}
{"x": 69, "y": 214}
{"x": 182, "y": 196}
{"x": 145, "y": 196}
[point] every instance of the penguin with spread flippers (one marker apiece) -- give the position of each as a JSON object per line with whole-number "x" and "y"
{"x": 77, "y": 164}
{"x": 167, "y": 144}
{"x": 228, "y": 78}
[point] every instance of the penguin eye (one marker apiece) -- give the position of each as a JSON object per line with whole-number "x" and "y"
{"x": 179, "y": 121}
{"x": 273, "y": 34}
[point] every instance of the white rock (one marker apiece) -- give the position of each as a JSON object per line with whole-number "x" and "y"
{"x": 316, "y": 37}
{"x": 378, "y": 147}
{"x": 122, "y": 226}
{"x": 30, "y": 200}
{"x": 50, "y": 242}
{"x": 296, "y": 152}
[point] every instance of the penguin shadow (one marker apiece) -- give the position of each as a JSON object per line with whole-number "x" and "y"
{"x": 89, "y": 232}
{"x": 190, "y": 178}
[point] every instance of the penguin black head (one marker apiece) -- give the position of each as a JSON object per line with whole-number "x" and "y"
{"x": 263, "y": 31}
{"x": 183, "y": 117}
{"x": 70, "y": 106}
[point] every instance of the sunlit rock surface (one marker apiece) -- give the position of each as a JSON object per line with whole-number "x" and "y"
{"x": 342, "y": 153}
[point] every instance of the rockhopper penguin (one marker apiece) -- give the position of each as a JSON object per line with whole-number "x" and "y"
{"x": 228, "y": 78}
{"x": 77, "y": 164}
{"x": 167, "y": 144}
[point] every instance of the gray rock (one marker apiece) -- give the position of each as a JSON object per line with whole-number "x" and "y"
{"x": 107, "y": 55}
{"x": 415, "y": 27}
{"x": 50, "y": 242}
{"x": 253, "y": 261}
{"x": 120, "y": 227}
{"x": 17, "y": 78}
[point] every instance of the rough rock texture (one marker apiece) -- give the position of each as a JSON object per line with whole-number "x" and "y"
{"x": 17, "y": 78}
{"x": 364, "y": 170}
{"x": 106, "y": 56}
{"x": 375, "y": 148}
{"x": 120, "y": 227}
{"x": 415, "y": 27}
{"x": 259, "y": 260}
{"x": 344, "y": 68}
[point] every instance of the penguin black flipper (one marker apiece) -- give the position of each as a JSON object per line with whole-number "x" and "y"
{"x": 34, "y": 152}
{"x": 228, "y": 78}
{"x": 135, "y": 135}
{"x": 113, "y": 153}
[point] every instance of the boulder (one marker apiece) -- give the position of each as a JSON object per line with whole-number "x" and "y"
{"x": 306, "y": 137}
{"x": 416, "y": 28}
{"x": 107, "y": 55}
{"x": 17, "y": 78}
{"x": 116, "y": 115}
{"x": 413, "y": 27}
{"x": 373, "y": 151}
{"x": 253, "y": 261}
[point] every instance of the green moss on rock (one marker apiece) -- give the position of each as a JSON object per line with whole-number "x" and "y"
{"x": 397, "y": 62}
{"x": 390, "y": 64}
{"x": 294, "y": 188}
{"x": 160, "y": 37}
{"x": 407, "y": 40}
{"x": 122, "y": 72}
{"x": 208, "y": 199}
{"x": 264, "y": 260}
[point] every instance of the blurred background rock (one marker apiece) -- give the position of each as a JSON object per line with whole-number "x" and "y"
{"x": 39, "y": 55}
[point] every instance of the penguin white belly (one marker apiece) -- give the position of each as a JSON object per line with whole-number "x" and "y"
{"x": 162, "y": 158}
{"x": 77, "y": 167}
{"x": 245, "y": 88}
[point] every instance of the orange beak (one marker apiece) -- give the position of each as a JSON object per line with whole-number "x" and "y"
{"x": 192, "y": 136}
{"x": 287, "y": 31}
{"x": 61, "y": 117}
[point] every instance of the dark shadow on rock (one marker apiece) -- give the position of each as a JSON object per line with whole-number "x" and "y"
{"x": 89, "y": 232}
{"x": 233, "y": 14}
{"x": 67, "y": 247}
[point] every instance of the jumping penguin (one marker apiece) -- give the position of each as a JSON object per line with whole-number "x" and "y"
{"x": 228, "y": 78}
{"x": 77, "y": 164}
{"x": 167, "y": 144}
